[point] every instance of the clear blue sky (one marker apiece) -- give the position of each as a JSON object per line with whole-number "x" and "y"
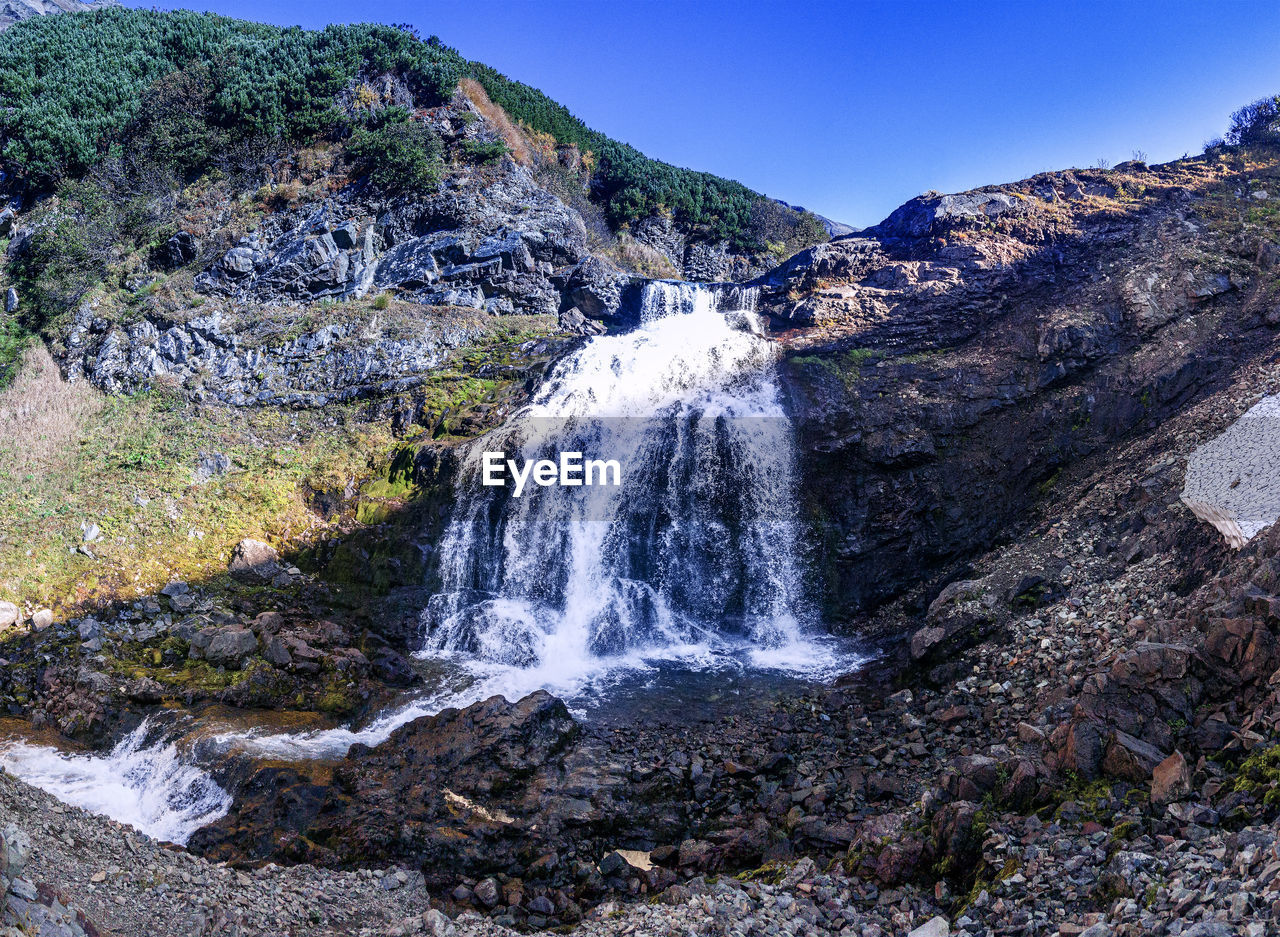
{"x": 851, "y": 108}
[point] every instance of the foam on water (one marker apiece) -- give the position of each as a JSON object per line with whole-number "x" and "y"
{"x": 153, "y": 788}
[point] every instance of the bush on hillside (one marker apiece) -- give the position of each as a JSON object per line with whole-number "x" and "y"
{"x": 73, "y": 85}
{"x": 1256, "y": 123}
{"x": 398, "y": 157}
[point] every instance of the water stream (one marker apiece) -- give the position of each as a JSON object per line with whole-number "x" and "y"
{"x": 688, "y": 562}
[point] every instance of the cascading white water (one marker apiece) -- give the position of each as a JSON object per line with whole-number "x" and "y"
{"x": 691, "y": 559}
{"x": 692, "y": 556}
{"x": 153, "y": 787}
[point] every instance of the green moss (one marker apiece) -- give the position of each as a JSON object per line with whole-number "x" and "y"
{"x": 1259, "y": 775}
{"x": 771, "y": 873}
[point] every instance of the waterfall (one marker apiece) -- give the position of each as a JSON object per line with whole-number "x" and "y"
{"x": 690, "y": 560}
{"x": 692, "y": 555}
{"x": 153, "y": 787}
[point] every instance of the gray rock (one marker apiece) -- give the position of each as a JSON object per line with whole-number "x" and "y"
{"x": 487, "y": 893}
{"x": 42, "y": 619}
{"x": 15, "y": 850}
{"x": 595, "y": 287}
{"x": 180, "y": 250}
{"x": 230, "y": 646}
{"x": 254, "y": 561}
{"x": 10, "y": 615}
{"x": 572, "y": 320}
{"x": 934, "y": 927}
{"x": 346, "y": 235}
{"x": 239, "y": 261}
{"x": 11, "y": 300}
{"x": 209, "y": 465}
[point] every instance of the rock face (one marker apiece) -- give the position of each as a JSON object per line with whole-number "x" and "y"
{"x": 1233, "y": 481}
{"x": 492, "y": 244}
{"x": 945, "y": 364}
{"x": 337, "y": 362}
{"x": 497, "y": 245}
{"x": 15, "y": 11}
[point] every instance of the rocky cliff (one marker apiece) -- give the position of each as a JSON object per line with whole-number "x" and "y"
{"x": 15, "y": 11}
{"x": 948, "y": 363}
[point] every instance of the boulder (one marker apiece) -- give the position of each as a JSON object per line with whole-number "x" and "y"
{"x": 1233, "y": 481}
{"x": 595, "y": 288}
{"x": 934, "y": 927}
{"x": 42, "y": 619}
{"x": 572, "y": 320}
{"x": 238, "y": 262}
{"x": 10, "y": 615}
{"x": 180, "y": 250}
{"x": 11, "y": 300}
{"x": 230, "y": 646}
{"x": 1130, "y": 758}
{"x": 15, "y": 850}
{"x": 254, "y": 561}
{"x": 346, "y": 235}
{"x": 1170, "y": 780}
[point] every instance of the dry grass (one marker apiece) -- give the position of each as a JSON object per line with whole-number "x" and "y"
{"x": 641, "y": 258}
{"x": 498, "y": 119}
{"x": 41, "y": 415}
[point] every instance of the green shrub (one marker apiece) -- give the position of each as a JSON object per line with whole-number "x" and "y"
{"x": 73, "y": 86}
{"x": 399, "y": 157}
{"x": 167, "y": 95}
{"x": 1255, "y": 124}
{"x": 484, "y": 151}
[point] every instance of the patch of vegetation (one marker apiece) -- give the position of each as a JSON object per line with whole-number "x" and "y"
{"x": 484, "y": 151}
{"x": 847, "y": 366}
{"x": 126, "y": 464}
{"x": 179, "y": 93}
{"x": 185, "y": 85}
{"x": 399, "y": 156}
{"x": 1256, "y": 123}
{"x": 1259, "y": 775}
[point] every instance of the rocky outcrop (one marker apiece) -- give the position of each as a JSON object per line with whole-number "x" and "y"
{"x": 15, "y": 11}
{"x": 337, "y": 362}
{"x": 491, "y": 244}
{"x": 462, "y": 791}
{"x": 28, "y": 908}
{"x": 955, "y": 357}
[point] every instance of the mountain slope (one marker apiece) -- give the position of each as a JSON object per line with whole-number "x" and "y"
{"x": 15, "y": 11}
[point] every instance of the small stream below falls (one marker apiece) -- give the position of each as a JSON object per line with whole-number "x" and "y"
{"x": 679, "y": 586}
